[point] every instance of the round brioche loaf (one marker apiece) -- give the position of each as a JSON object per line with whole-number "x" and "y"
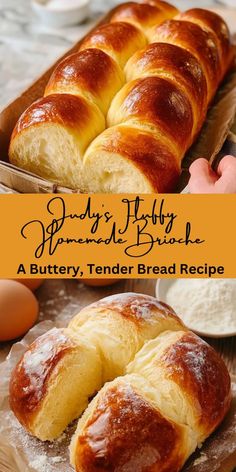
{"x": 174, "y": 390}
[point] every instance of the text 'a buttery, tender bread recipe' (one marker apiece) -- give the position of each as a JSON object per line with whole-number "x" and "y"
{"x": 119, "y": 114}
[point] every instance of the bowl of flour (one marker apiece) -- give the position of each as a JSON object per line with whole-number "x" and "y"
{"x": 206, "y": 306}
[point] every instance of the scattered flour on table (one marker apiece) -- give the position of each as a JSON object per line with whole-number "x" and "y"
{"x": 207, "y": 305}
{"x": 41, "y": 462}
{"x": 203, "y": 458}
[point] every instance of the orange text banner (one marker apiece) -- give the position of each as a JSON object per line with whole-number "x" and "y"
{"x": 127, "y": 236}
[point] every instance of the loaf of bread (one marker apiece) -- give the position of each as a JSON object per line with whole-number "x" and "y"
{"x": 148, "y": 76}
{"x": 166, "y": 391}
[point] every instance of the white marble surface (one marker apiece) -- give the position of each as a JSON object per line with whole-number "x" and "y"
{"x": 27, "y": 47}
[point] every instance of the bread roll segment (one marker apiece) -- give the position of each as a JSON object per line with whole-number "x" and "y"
{"x": 51, "y": 136}
{"x": 192, "y": 381}
{"x": 127, "y": 157}
{"x": 202, "y": 44}
{"x": 212, "y": 22}
{"x": 166, "y": 7}
{"x": 141, "y": 15}
{"x": 91, "y": 74}
{"x": 159, "y": 105}
{"x": 119, "y": 40}
{"x": 124, "y": 430}
{"x": 53, "y": 381}
{"x": 120, "y": 324}
{"x": 177, "y": 65}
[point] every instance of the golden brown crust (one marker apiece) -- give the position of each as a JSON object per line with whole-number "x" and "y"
{"x": 153, "y": 158}
{"x": 126, "y": 432}
{"x": 64, "y": 109}
{"x": 171, "y": 10}
{"x": 183, "y": 67}
{"x": 200, "y": 43}
{"x": 158, "y": 102}
{"x": 142, "y": 15}
{"x": 135, "y": 307}
{"x": 115, "y": 38}
{"x": 91, "y": 70}
{"x": 30, "y": 378}
{"x": 213, "y": 22}
{"x": 202, "y": 376}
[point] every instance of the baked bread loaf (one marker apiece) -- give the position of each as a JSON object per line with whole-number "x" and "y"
{"x": 167, "y": 389}
{"x": 158, "y": 93}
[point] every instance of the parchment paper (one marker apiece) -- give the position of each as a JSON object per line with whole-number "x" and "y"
{"x": 19, "y": 452}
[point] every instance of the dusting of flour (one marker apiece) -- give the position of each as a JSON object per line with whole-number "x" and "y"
{"x": 207, "y": 305}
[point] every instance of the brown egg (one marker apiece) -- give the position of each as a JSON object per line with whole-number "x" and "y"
{"x": 18, "y": 309}
{"x": 32, "y": 284}
{"x": 99, "y": 282}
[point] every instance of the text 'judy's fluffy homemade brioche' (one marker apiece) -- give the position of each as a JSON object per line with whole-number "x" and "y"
{"x": 148, "y": 76}
{"x": 166, "y": 392}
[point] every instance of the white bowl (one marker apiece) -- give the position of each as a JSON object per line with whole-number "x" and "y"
{"x": 67, "y": 16}
{"x": 162, "y": 287}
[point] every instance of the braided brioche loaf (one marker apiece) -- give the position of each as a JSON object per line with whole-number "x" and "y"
{"x": 167, "y": 389}
{"x": 143, "y": 103}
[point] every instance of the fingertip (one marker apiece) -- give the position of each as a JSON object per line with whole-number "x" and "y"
{"x": 227, "y": 162}
{"x": 199, "y": 164}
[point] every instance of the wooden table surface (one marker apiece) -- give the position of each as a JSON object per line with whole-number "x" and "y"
{"x": 55, "y": 295}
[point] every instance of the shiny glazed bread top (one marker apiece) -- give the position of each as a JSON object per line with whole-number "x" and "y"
{"x": 197, "y": 55}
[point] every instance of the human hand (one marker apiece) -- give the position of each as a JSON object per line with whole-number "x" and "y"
{"x": 203, "y": 179}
